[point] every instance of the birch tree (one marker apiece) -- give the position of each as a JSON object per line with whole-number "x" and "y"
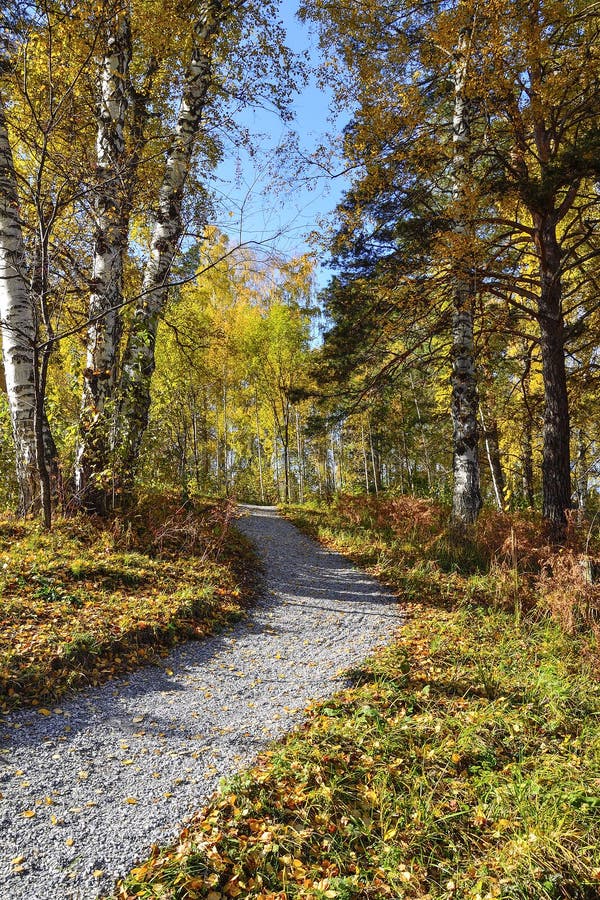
{"x": 466, "y": 495}
{"x": 139, "y": 359}
{"x": 18, "y": 325}
{"x": 111, "y": 213}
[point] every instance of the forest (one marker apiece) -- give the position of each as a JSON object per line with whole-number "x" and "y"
{"x": 144, "y": 345}
{"x": 414, "y": 385}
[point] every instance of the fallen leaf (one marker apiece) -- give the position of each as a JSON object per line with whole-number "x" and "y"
{"x": 131, "y": 800}
{"x": 69, "y": 842}
{"x": 28, "y": 814}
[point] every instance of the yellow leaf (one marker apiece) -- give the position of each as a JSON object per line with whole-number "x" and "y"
{"x": 28, "y": 814}
{"x": 98, "y": 873}
{"x": 69, "y": 842}
{"x": 44, "y": 712}
{"x": 131, "y": 800}
{"x": 17, "y": 860}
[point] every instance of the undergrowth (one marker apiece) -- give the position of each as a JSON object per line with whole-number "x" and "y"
{"x": 94, "y": 598}
{"x": 463, "y": 762}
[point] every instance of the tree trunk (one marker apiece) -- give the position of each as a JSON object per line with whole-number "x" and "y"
{"x": 376, "y": 480}
{"x": 492, "y": 446}
{"x": 225, "y": 438}
{"x": 111, "y": 236}
{"x": 300, "y": 460}
{"x": 40, "y": 370}
{"x": 582, "y": 476}
{"x": 17, "y": 324}
{"x": 422, "y": 433}
{"x": 466, "y": 498}
{"x": 258, "y": 444}
{"x": 286, "y": 457}
{"x": 526, "y": 439}
{"x": 556, "y": 462}
{"x": 364, "y": 455}
{"x": 527, "y": 464}
{"x": 138, "y": 361}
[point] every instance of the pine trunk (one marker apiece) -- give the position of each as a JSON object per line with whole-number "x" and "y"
{"x": 112, "y": 225}
{"x": 556, "y": 461}
{"x": 138, "y": 361}
{"x": 18, "y": 328}
{"x": 466, "y": 498}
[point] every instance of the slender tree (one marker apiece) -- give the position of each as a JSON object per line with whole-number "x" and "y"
{"x": 466, "y": 494}
{"x": 18, "y": 326}
{"x": 139, "y": 358}
{"x": 111, "y": 213}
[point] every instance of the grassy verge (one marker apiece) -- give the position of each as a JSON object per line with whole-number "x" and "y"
{"x": 464, "y": 762}
{"x": 92, "y": 599}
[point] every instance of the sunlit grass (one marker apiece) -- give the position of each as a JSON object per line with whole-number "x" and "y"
{"x": 89, "y": 600}
{"x": 463, "y": 762}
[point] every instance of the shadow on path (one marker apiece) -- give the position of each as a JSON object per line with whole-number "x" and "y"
{"x": 121, "y": 766}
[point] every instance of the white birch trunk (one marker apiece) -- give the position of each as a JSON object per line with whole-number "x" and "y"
{"x": 138, "y": 362}
{"x": 111, "y": 213}
{"x": 18, "y": 326}
{"x": 466, "y": 499}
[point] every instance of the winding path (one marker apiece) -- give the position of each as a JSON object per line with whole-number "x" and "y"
{"x": 85, "y": 792}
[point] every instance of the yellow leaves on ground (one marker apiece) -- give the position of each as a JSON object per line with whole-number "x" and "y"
{"x": 440, "y": 766}
{"x": 78, "y": 607}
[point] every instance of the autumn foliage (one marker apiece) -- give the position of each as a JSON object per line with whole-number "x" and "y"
{"x": 96, "y": 598}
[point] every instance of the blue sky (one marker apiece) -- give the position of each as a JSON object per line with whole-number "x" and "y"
{"x": 260, "y": 204}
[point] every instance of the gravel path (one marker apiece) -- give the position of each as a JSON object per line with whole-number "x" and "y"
{"x": 86, "y": 791}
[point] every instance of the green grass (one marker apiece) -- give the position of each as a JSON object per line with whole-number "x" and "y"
{"x": 94, "y": 598}
{"x": 463, "y": 763}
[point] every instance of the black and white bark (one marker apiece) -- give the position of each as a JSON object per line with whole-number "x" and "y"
{"x": 466, "y": 495}
{"x": 17, "y": 321}
{"x": 111, "y": 209}
{"x": 139, "y": 357}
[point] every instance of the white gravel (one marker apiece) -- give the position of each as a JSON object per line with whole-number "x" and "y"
{"x": 120, "y": 767}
